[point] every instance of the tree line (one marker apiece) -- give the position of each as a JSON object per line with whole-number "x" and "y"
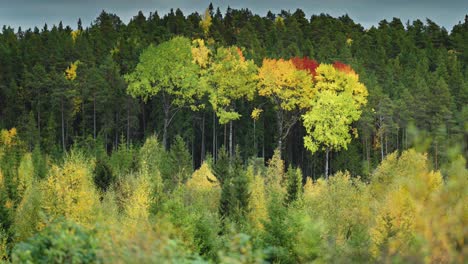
{"x": 415, "y": 75}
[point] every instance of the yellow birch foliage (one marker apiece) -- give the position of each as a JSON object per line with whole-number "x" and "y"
{"x": 69, "y": 191}
{"x": 444, "y": 220}
{"x": 343, "y": 204}
{"x": 3, "y": 245}
{"x": 406, "y": 189}
{"x": 138, "y": 205}
{"x": 328, "y": 78}
{"x": 231, "y": 77}
{"x": 202, "y": 179}
{"x": 339, "y": 97}
{"x": 70, "y": 72}
{"x": 394, "y": 229}
{"x": 275, "y": 172}
{"x": 25, "y": 174}
{"x": 74, "y": 34}
{"x": 200, "y": 53}
{"x": 256, "y": 113}
{"x": 27, "y": 216}
{"x": 410, "y": 170}
{"x": 2, "y": 183}
{"x": 328, "y": 123}
{"x": 258, "y": 208}
{"x": 313, "y": 192}
{"x": 288, "y": 87}
{"x": 204, "y": 186}
{"x": 8, "y": 137}
{"x": 205, "y": 23}
{"x": 109, "y": 211}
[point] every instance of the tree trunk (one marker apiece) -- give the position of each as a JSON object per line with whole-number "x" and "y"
{"x": 166, "y": 124}
{"x": 368, "y": 154}
{"x": 128, "y": 123}
{"x": 263, "y": 142}
{"x": 406, "y": 138}
{"x": 231, "y": 153}
{"x": 143, "y": 112}
{"x": 116, "y": 132}
{"x": 202, "y": 154}
{"x": 398, "y": 139}
{"x": 193, "y": 142}
{"x": 63, "y": 126}
{"x": 279, "y": 116}
{"x": 327, "y": 151}
{"x": 214, "y": 136}
{"x": 386, "y": 144}
{"x": 225, "y": 136}
{"x": 381, "y": 146}
{"x": 39, "y": 117}
{"x": 94, "y": 116}
{"x": 254, "y": 139}
{"x": 83, "y": 121}
{"x": 167, "y": 112}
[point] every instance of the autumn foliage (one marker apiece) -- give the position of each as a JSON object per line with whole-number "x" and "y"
{"x": 306, "y": 64}
{"x": 126, "y": 202}
{"x": 343, "y": 67}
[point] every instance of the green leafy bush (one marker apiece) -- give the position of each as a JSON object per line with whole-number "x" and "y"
{"x": 60, "y": 242}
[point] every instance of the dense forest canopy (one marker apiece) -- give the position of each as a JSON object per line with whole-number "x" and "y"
{"x": 211, "y": 137}
{"x": 416, "y": 74}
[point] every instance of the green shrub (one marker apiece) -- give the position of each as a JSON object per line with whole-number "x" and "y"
{"x": 103, "y": 176}
{"x": 124, "y": 159}
{"x": 60, "y": 242}
{"x": 239, "y": 250}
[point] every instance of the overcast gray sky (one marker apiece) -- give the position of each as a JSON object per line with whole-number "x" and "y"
{"x": 30, "y": 13}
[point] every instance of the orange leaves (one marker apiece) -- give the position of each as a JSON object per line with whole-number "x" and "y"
{"x": 343, "y": 68}
{"x": 241, "y": 56}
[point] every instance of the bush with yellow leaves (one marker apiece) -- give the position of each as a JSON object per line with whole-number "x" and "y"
{"x": 394, "y": 234}
{"x": 204, "y": 187}
{"x": 69, "y": 191}
{"x": 25, "y": 174}
{"x": 258, "y": 212}
{"x": 275, "y": 172}
{"x": 28, "y": 214}
{"x": 405, "y": 189}
{"x": 411, "y": 170}
{"x": 8, "y": 137}
{"x": 137, "y": 207}
{"x": 443, "y": 220}
{"x": 343, "y": 204}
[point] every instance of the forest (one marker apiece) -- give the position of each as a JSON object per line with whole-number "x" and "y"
{"x": 234, "y": 138}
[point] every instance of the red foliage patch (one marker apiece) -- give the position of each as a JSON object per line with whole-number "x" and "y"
{"x": 343, "y": 67}
{"x": 305, "y": 63}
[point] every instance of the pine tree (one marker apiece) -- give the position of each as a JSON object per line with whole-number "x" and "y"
{"x": 294, "y": 185}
